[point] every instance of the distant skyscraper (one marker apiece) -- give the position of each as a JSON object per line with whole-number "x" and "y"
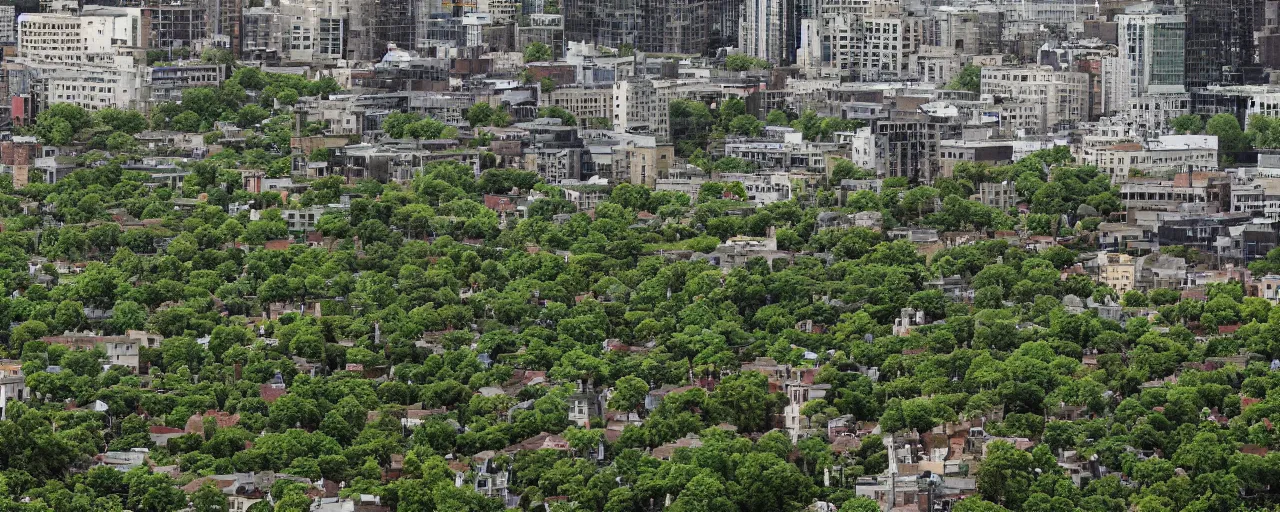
{"x": 1151, "y": 60}
{"x": 723, "y": 16}
{"x": 763, "y": 31}
{"x": 662, "y": 26}
{"x": 1220, "y": 47}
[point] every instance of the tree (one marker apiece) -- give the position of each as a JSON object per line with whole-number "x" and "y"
{"x": 1231, "y": 138}
{"x": 860, "y": 504}
{"x": 847, "y": 170}
{"x": 250, "y": 115}
{"x": 1005, "y": 475}
{"x": 483, "y": 114}
{"x": 744, "y": 400}
{"x": 566, "y": 118}
{"x": 127, "y": 315}
{"x": 628, "y": 394}
{"x": 127, "y": 121}
{"x": 537, "y": 51}
{"x": 770, "y": 484}
{"x": 187, "y": 121}
{"x": 287, "y": 96}
{"x": 119, "y": 142}
{"x": 209, "y": 499}
{"x": 746, "y": 124}
{"x": 969, "y": 79}
{"x": 777, "y": 118}
{"x": 742, "y": 62}
{"x": 396, "y": 124}
{"x": 1187, "y": 124}
{"x": 1134, "y": 299}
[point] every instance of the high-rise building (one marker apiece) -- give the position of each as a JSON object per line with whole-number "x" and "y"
{"x": 177, "y": 24}
{"x": 1161, "y": 54}
{"x": 763, "y": 32}
{"x": 1151, "y": 59}
{"x": 723, "y": 18}
{"x": 8, "y": 28}
{"x": 681, "y": 26}
{"x": 1220, "y": 47}
{"x": 225, "y": 17}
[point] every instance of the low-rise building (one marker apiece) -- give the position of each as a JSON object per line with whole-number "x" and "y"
{"x": 119, "y": 350}
{"x": 1160, "y": 158}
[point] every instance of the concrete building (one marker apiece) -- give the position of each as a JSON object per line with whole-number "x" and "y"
{"x": 953, "y": 152}
{"x": 93, "y": 60}
{"x": 639, "y": 109}
{"x": 886, "y": 47}
{"x": 8, "y": 24}
{"x": 906, "y": 148}
{"x": 762, "y": 32}
{"x": 312, "y": 31}
{"x": 176, "y": 25}
{"x": 167, "y": 83}
{"x": 762, "y": 189}
{"x": 1161, "y": 158}
{"x": 1002, "y": 196}
{"x": 1062, "y": 97}
{"x": 592, "y": 105}
{"x": 1151, "y": 59}
{"x": 1220, "y": 47}
{"x": 1118, "y": 271}
{"x": 547, "y": 29}
{"x": 640, "y": 160}
{"x": 302, "y": 219}
{"x": 830, "y": 44}
{"x": 13, "y": 384}
{"x": 557, "y": 152}
{"x": 683, "y": 26}
{"x": 119, "y": 350}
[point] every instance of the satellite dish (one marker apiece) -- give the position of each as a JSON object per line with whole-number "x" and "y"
{"x": 869, "y": 338}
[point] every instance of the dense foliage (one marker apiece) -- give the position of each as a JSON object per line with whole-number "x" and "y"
{"x": 421, "y": 278}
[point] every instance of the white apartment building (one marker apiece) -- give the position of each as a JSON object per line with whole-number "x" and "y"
{"x": 1064, "y": 95}
{"x": 1117, "y": 72}
{"x": 862, "y": 147}
{"x": 829, "y": 44}
{"x": 1265, "y": 103}
{"x": 886, "y": 47}
{"x": 1260, "y": 198}
{"x": 639, "y": 109}
{"x": 1160, "y": 158}
{"x": 315, "y": 30}
{"x": 762, "y": 189}
{"x": 1151, "y": 115}
{"x": 93, "y": 60}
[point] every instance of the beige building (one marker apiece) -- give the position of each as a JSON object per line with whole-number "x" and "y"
{"x": 1119, "y": 271}
{"x": 641, "y": 160}
{"x": 585, "y": 103}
